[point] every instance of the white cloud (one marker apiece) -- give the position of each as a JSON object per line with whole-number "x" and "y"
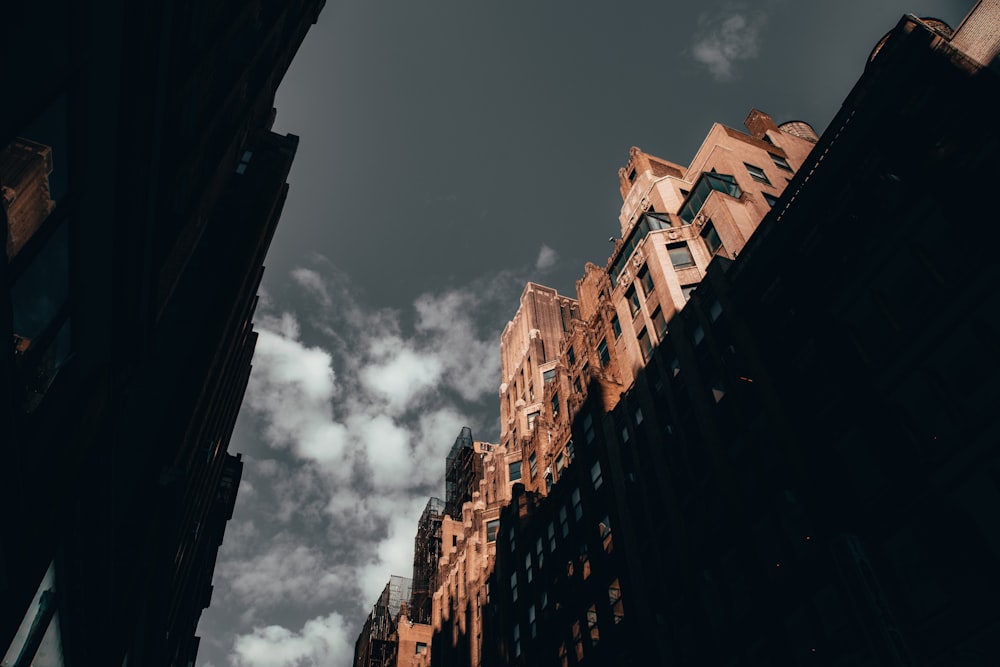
{"x": 313, "y": 282}
{"x": 347, "y": 461}
{"x": 323, "y": 641}
{"x": 725, "y": 38}
{"x": 547, "y": 258}
{"x": 387, "y": 446}
{"x": 401, "y": 374}
{"x": 291, "y": 388}
{"x": 285, "y": 572}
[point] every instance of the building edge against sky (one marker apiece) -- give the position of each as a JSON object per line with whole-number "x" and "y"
{"x": 765, "y": 458}
{"x": 141, "y": 185}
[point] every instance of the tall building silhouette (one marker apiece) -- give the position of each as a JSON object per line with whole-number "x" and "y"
{"x": 777, "y": 482}
{"x": 761, "y": 433}
{"x": 141, "y": 185}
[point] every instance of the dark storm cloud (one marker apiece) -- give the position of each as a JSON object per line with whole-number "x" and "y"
{"x": 445, "y": 144}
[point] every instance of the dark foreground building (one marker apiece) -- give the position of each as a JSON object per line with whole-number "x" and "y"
{"x": 141, "y": 185}
{"x": 805, "y": 471}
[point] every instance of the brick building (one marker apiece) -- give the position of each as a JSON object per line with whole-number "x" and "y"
{"x": 141, "y": 185}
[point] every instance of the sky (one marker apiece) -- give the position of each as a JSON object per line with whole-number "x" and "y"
{"x": 450, "y": 152}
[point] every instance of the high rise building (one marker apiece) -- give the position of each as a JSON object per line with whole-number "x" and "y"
{"x": 141, "y": 185}
{"x": 754, "y": 438}
{"x": 778, "y": 480}
{"x": 379, "y": 642}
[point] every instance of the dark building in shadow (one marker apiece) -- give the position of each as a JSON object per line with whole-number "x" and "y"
{"x": 141, "y": 185}
{"x": 805, "y": 470}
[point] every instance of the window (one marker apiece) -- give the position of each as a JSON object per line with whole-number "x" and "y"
{"x": 540, "y": 552}
{"x": 517, "y": 640}
{"x": 571, "y": 355}
{"x": 555, "y": 404}
{"x": 512, "y": 538}
{"x": 549, "y": 375}
{"x": 531, "y": 621}
{"x": 780, "y": 162}
{"x": 631, "y": 176}
{"x": 552, "y": 537}
{"x": 492, "y": 528}
{"x": 564, "y": 521}
{"x": 515, "y": 470}
{"x": 659, "y": 323}
{"x": 577, "y": 386}
{"x": 633, "y": 300}
{"x": 714, "y": 311}
{"x": 707, "y": 183}
{"x": 595, "y": 635}
{"x": 648, "y": 223}
{"x": 698, "y": 334}
{"x": 513, "y": 586}
{"x": 770, "y": 199}
{"x": 616, "y": 326}
{"x": 578, "y": 641}
{"x": 604, "y": 528}
{"x": 532, "y": 416}
{"x": 596, "y": 476}
{"x": 638, "y": 415}
{"x": 577, "y": 505}
{"x": 615, "y": 600}
{"x": 421, "y": 647}
{"x": 711, "y": 238}
{"x": 588, "y": 428}
{"x": 532, "y": 466}
{"x": 646, "y": 279}
{"x": 687, "y": 291}
{"x": 528, "y": 571}
{"x": 244, "y": 161}
{"x": 680, "y": 255}
{"x": 560, "y": 463}
{"x": 603, "y": 354}
{"x": 645, "y": 345}
{"x": 756, "y": 173}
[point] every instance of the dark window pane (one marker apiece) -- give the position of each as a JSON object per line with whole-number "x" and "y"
{"x": 680, "y": 255}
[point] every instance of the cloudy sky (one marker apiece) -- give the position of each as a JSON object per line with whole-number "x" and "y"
{"x": 450, "y": 151}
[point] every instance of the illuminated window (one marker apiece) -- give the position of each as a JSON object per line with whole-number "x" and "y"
{"x": 595, "y": 634}
{"x": 615, "y": 600}
{"x": 604, "y": 528}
